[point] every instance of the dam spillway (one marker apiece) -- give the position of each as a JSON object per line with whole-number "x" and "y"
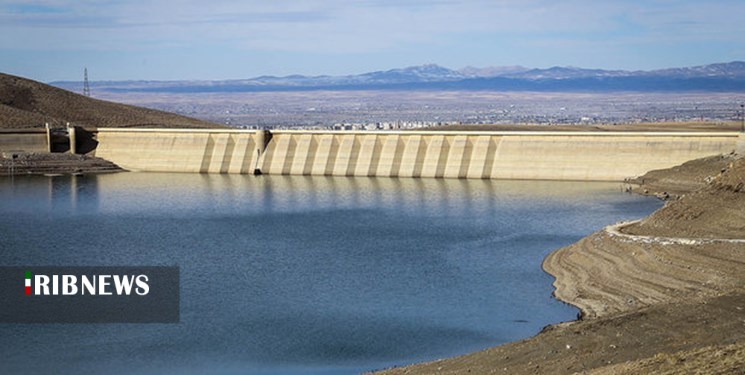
{"x": 587, "y": 156}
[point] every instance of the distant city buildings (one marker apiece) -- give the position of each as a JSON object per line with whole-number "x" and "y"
{"x": 388, "y": 110}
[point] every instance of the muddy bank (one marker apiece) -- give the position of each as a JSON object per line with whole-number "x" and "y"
{"x": 653, "y": 339}
{"x": 648, "y": 305}
{"x": 25, "y": 163}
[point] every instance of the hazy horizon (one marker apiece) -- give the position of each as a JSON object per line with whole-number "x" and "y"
{"x": 50, "y": 40}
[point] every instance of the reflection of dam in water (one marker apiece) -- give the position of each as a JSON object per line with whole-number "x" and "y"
{"x": 293, "y": 193}
{"x": 609, "y": 156}
{"x": 55, "y": 194}
{"x": 71, "y": 194}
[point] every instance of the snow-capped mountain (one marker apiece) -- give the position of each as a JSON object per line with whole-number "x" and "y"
{"x": 714, "y": 77}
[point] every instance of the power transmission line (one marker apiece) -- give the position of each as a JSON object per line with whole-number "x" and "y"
{"x": 86, "y": 87}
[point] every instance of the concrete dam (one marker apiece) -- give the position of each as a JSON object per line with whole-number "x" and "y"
{"x": 597, "y": 156}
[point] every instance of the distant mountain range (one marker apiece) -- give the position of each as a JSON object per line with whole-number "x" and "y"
{"x": 723, "y": 77}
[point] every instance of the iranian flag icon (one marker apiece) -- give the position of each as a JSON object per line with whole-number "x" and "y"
{"x": 28, "y": 283}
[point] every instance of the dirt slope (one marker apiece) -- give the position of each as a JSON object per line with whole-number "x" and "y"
{"x": 28, "y": 104}
{"x": 682, "y": 179}
{"x": 674, "y": 338}
{"x": 716, "y": 211}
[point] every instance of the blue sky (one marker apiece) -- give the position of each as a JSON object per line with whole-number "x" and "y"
{"x": 51, "y": 40}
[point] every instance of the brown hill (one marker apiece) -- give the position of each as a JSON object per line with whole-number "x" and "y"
{"x": 29, "y": 104}
{"x": 716, "y": 211}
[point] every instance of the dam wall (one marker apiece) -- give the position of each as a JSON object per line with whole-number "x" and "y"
{"x": 24, "y": 140}
{"x": 179, "y": 150}
{"x": 601, "y": 156}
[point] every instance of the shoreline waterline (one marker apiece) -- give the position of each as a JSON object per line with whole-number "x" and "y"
{"x": 663, "y": 295}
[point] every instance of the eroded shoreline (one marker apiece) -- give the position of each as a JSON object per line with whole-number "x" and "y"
{"x": 648, "y": 306}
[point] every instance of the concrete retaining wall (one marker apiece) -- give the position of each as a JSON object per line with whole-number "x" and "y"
{"x": 608, "y": 156}
{"x": 31, "y": 140}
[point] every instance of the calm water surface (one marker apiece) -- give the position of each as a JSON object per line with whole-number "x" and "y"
{"x": 290, "y": 274}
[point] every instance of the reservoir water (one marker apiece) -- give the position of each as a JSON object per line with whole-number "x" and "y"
{"x": 292, "y": 274}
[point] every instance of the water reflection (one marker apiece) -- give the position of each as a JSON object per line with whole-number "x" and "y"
{"x": 292, "y": 274}
{"x": 143, "y": 192}
{"x": 53, "y": 194}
